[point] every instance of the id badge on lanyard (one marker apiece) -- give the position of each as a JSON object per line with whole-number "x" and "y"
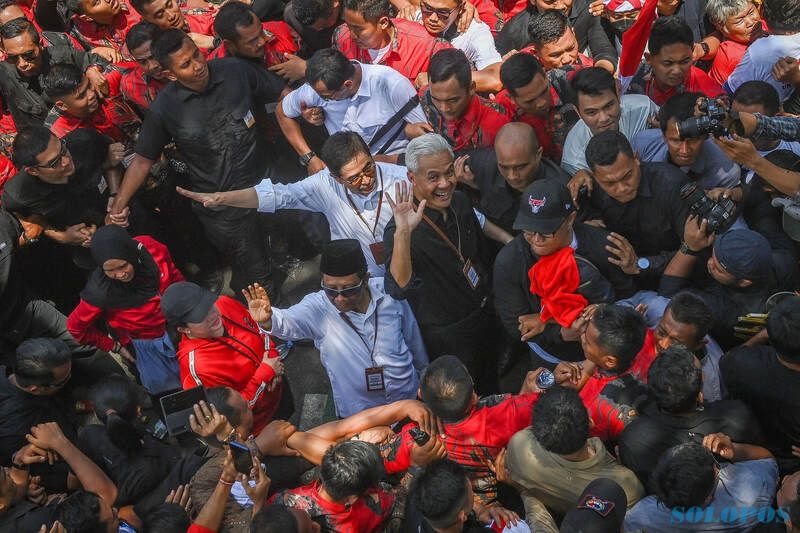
{"x": 374, "y": 377}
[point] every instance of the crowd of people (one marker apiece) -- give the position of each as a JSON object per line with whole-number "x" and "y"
{"x": 557, "y": 248}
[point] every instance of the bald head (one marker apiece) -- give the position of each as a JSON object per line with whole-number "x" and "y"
{"x": 518, "y": 154}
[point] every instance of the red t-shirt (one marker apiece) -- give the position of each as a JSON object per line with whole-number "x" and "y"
{"x": 542, "y": 126}
{"x": 233, "y": 360}
{"x": 409, "y": 52}
{"x": 490, "y": 14}
{"x": 368, "y": 514}
{"x": 93, "y": 35}
{"x": 475, "y": 440}
{"x": 476, "y": 129}
{"x": 697, "y": 81}
{"x": 281, "y": 39}
{"x": 114, "y": 118}
{"x": 609, "y": 398}
{"x": 729, "y": 54}
{"x": 138, "y": 88}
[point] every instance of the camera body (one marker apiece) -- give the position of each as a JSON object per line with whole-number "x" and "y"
{"x": 720, "y": 215}
{"x": 420, "y": 437}
{"x": 711, "y": 122}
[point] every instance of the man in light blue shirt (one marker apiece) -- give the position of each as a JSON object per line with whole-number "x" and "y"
{"x": 369, "y": 343}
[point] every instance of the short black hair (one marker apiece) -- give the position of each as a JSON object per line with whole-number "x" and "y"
{"x": 308, "y": 12}
{"x": 440, "y": 492}
{"x": 80, "y": 513}
{"x": 604, "y": 148}
{"x": 28, "y": 144}
{"x": 674, "y": 381}
{"x": 138, "y": 5}
{"x": 350, "y": 468}
{"x": 331, "y": 67}
{"x": 689, "y": 308}
{"x": 783, "y": 327}
{"x": 16, "y": 27}
{"x": 755, "y": 92}
{"x": 35, "y": 359}
{"x": 166, "y": 518}
{"x": 166, "y": 43}
{"x": 448, "y": 63}
{"x": 139, "y": 34}
{"x": 518, "y": 71}
{"x": 560, "y": 421}
{"x": 621, "y": 332}
{"x": 220, "y": 397}
{"x": 447, "y": 388}
{"x": 231, "y": 17}
{"x": 547, "y": 27}
{"x": 679, "y": 107}
{"x": 274, "y": 519}
{"x": 61, "y": 80}
{"x": 684, "y": 476}
{"x": 593, "y": 81}
{"x": 667, "y": 31}
{"x": 8, "y": 3}
{"x": 341, "y": 148}
{"x": 781, "y": 16}
{"x": 370, "y": 10}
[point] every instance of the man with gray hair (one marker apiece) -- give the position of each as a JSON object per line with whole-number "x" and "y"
{"x": 435, "y": 258}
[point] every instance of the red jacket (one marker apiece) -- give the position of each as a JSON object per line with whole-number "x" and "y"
{"x": 143, "y": 322}
{"x": 233, "y": 360}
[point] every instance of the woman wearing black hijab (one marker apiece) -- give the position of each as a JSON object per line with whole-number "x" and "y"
{"x": 124, "y": 294}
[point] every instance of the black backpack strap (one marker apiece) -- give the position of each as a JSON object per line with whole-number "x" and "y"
{"x": 386, "y": 128}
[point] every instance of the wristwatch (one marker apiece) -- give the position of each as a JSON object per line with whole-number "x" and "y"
{"x": 685, "y": 250}
{"x": 306, "y": 158}
{"x": 705, "y": 47}
{"x": 643, "y": 263}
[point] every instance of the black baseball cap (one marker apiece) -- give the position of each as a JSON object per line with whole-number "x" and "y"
{"x": 185, "y": 302}
{"x": 600, "y": 509}
{"x": 744, "y": 253}
{"x": 543, "y": 206}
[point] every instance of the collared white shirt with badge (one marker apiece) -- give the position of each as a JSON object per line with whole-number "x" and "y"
{"x": 321, "y": 193}
{"x": 382, "y": 92}
{"x": 346, "y": 352}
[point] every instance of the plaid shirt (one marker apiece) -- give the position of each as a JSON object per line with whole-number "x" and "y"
{"x": 139, "y": 89}
{"x": 113, "y": 118}
{"x": 281, "y": 39}
{"x": 92, "y": 35}
{"x": 785, "y": 128}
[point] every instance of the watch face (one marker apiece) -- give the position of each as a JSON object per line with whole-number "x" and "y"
{"x": 643, "y": 263}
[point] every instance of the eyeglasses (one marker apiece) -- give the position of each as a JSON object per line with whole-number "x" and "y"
{"x": 440, "y": 13}
{"x": 356, "y": 178}
{"x": 348, "y": 292}
{"x": 29, "y": 56}
{"x": 57, "y": 160}
{"x": 546, "y": 236}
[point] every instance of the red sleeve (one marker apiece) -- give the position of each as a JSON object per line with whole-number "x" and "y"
{"x": 81, "y": 325}
{"x": 399, "y": 457}
{"x": 114, "y": 77}
{"x": 489, "y": 14}
{"x": 60, "y": 128}
{"x": 263, "y": 374}
{"x": 343, "y": 41}
{"x": 194, "y": 528}
{"x": 634, "y": 41}
{"x": 286, "y": 40}
{"x": 518, "y": 411}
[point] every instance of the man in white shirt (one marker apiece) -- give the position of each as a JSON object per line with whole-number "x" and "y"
{"x": 369, "y": 343}
{"x": 348, "y": 95}
{"x": 601, "y": 109}
{"x": 349, "y": 191}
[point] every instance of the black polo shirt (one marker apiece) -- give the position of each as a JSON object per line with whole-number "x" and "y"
{"x": 24, "y": 96}
{"x": 82, "y": 199}
{"x": 12, "y": 287}
{"x": 600, "y": 282}
{"x": 219, "y": 132}
{"x": 498, "y": 200}
{"x": 653, "y": 432}
{"x": 653, "y": 221}
{"x": 439, "y": 292}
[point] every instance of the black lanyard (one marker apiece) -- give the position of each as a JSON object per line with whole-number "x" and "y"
{"x": 377, "y": 213}
{"x": 374, "y": 334}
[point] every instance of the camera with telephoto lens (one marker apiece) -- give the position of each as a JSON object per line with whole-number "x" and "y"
{"x": 720, "y": 215}
{"x": 712, "y": 121}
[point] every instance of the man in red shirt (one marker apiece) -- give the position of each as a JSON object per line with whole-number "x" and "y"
{"x": 669, "y": 68}
{"x": 347, "y": 498}
{"x": 101, "y": 26}
{"x": 370, "y": 36}
{"x": 221, "y": 344}
{"x": 453, "y": 109}
{"x": 77, "y": 105}
{"x": 166, "y": 14}
{"x": 619, "y": 350}
{"x": 140, "y": 85}
{"x": 244, "y": 35}
{"x": 553, "y": 41}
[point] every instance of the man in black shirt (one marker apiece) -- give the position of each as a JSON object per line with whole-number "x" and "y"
{"x": 766, "y": 378}
{"x": 27, "y": 60}
{"x": 639, "y": 202}
{"x": 435, "y": 258}
{"x": 500, "y": 174}
{"x": 547, "y": 204}
{"x": 678, "y": 414}
{"x": 215, "y": 115}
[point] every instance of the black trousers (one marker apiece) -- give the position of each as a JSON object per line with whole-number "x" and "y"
{"x": 240, "y": 237}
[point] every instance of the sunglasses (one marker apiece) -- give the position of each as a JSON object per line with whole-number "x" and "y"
{"x": 440, "y": 13}
{"x": 348, "y": 292}
{"x": 532, "y": 234}
{"x": 356, "y": 178}
{"x": 57, "y": 160}
{"x": 29, "y": 56}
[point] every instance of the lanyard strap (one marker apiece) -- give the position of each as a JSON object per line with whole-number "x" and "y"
{"x": 374, "y": 334}
{"x": 378, "y": 211}
{"x": 444, "y": 237}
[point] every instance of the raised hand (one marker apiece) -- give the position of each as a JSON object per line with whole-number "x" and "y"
{"x": 180, "y": 496}
{"x": 207, "y": 199}
{"x": 258, "y": 303}
{"x": 407, "y": 216}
